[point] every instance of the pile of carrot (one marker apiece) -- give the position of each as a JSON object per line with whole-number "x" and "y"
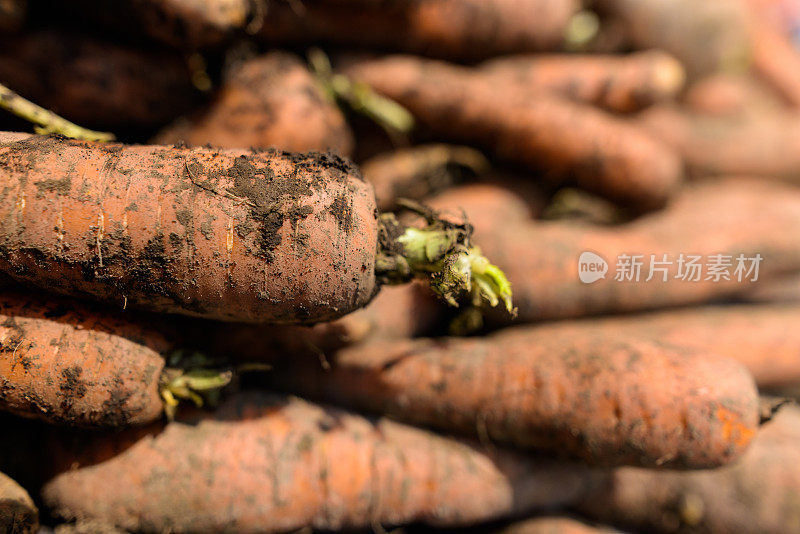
{"x": 519, "y": 266}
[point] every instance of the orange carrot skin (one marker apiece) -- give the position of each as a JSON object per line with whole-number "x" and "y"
{"x": 585, "y": 394}
{"x": 274, "y": 464}
{"x": 618, "y": 83}
{"x": 268, "y": 101}
{"x": 571, "y": 142}
{"x": 18, "y": 513}
{"x": 232, "y": 235}
{"x": 72, "y": 363}
{"x": 463, "y": 29}
{"x": 100, "y": 84}
{"x": 729, "y": 217}
{"x": 756, "y": 495}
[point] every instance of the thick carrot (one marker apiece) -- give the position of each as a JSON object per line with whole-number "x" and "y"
{"x": 616, "y": 82}
{"x": 757, "y": 495}
{"x": 766, "y": 144}
{"x": 726, "y": 217}
{"x": 234, "y": 235}
{"x": 274, "y": 464}
{"x": 554, "y": 525}
{"x": 70, "y": 363}
{"x": 269, "y": 101}
{"x": 567, "y": 140}
{"x": 18, "y": 514}
{"x": 706, "y": 37}
{"x": 593, "y": 394}
{"x": 467, "y": 29}
{"x": 97, "y": 83}
{"x": 785, "y": 289}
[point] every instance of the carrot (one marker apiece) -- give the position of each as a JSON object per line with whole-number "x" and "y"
{"x": 233, "y": 235}
{"x": 18, "y": 514}
{"x": 12, "y": 13}
{"x": 618, "y": 83}
{"x": 418, "y": 171}
{"x": 273, "y": 464}
{"x": 593, "y": 393}
{"x": 568, "y": 141}
{"x": 732, "y": 94}
{"x": 75, "y": 364}
{"x": 97, "y": 83}
{"x": 268, "y": 101}
{"x": 555, "y": 525}
{"x": 758, "y": 494}
{"x": 706, "y": 38}
{"x": 466, "y": 29}
{"x": 724, "y": 217}
{"x": 765, "y": 144}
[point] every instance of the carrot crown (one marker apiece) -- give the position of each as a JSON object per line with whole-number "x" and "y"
{"x": 441, "y": 252}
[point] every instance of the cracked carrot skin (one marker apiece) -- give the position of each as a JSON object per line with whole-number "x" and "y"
{"x": 587, "y": 393}
{"x": 461, "y": 29}
{"x": 268, "y": 101}
{"x": 618, "y": 83}
{"x": 756, "y": 495}
{"x": 269, "y": 237}
{"x": 728, "y": 216}
{"x": 275, "y": 464}
{"x": 18, "y": 513}
{"x": 571, "y": 142}
{"x": 77, "y": 364}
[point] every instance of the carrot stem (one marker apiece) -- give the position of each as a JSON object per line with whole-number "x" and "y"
{"x": 47, "y": 122}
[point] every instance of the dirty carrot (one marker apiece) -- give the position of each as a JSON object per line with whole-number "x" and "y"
{"x": 252, "y": 236}
{"x": 466, "y": 29}
{"x": 238, "y": 235}
{"x": 18, "y": 513}
{"x": 268, "y": 101}
{"x": 728, "y": 217}
{"x": 274, "y": 464}
{"x": 568, "y": 141}
{"x": 81, "y": 365}
{"x": 756, "y": 495}
{"x": 732, "y": 94}
{"x": 591, "y": 394}
{"x": 619, "y": 83}
{"x": 96, "y": 83}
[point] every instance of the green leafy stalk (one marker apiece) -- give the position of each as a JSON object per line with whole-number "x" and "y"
{"x": 441, "y": 252}
{"x": 191, "y": 378}
{"x": 360, "y": 97}
{"x": 47, "y": 122}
